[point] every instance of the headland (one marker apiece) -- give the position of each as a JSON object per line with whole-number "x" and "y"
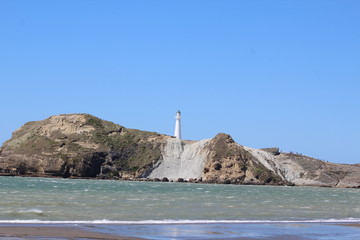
{"x": 84, "y": 146}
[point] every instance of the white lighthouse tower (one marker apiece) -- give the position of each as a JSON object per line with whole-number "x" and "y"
{"x": 177, "y": 133}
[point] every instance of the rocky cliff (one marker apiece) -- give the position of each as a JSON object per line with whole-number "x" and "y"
{"x": 78, "y": 145}
{"x": 81, "y": 145}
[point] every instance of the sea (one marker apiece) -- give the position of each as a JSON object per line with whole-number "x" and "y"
{"x": 116, "y": 205}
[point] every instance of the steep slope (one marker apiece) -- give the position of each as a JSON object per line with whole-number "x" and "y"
{"x": 180, "y": 159}
{"x": 217, "y": 160}
{"x": 78, "y": 145}
{"x": 229, "y": 162}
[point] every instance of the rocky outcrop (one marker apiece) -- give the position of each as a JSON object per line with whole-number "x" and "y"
{"x": 78, "y": 145}
{"x": 81, "y": 145}
{"x": 306, "y": 171}
{"x": 229, "y": 162}
{"x": 301, "y": 170}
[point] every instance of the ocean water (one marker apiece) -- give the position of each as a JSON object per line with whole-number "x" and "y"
{"x": 71, "y": 201}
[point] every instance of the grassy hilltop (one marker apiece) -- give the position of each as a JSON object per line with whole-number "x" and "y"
{"x": 78, "y": 145}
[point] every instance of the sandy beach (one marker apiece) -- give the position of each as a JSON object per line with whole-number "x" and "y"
{"x": 273, "y": 231}
{"x": 54, "y": 232}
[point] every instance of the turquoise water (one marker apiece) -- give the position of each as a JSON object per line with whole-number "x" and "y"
{"x": 49, "y": 200}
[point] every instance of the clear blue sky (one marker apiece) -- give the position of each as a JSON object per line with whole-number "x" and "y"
{"x": 270, "y": 73}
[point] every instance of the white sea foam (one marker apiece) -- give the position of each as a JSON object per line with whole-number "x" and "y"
{"x": 34, "y": 210}
{"x": 158, "y": 222}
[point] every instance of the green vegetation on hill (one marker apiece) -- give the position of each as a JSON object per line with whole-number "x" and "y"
{"x": 70, "y": 145}
{"x": 135, "y": 145}
{"x": 231, "y": 163}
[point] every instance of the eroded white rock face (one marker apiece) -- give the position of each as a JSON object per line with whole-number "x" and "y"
{"x": 267, "y": 159}
{"x": 288, "y": 168}
{"x": 181, "y": 160}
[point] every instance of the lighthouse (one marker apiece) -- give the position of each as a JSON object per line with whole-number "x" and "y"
{"x": 177, "y": 133}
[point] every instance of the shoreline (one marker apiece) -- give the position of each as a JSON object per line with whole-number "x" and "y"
{"x": 58, "y": 232}
{"x": 240, "y": 231}
{"x": 346, "y": 222}
{"x": 168, "y": 181}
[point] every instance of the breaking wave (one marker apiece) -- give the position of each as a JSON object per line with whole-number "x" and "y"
{"x": 29, "y": 212}
{"x": 159, "y": 222}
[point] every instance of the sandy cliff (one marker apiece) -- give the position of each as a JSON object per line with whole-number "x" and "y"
{"x": 180, "y": 159}
{"x": 81, "y": 145}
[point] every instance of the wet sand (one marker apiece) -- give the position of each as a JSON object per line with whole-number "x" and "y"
{"x": 272, "y": 231}
{"x": 351, "y": 224}
{"x": 55, "y": 233}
